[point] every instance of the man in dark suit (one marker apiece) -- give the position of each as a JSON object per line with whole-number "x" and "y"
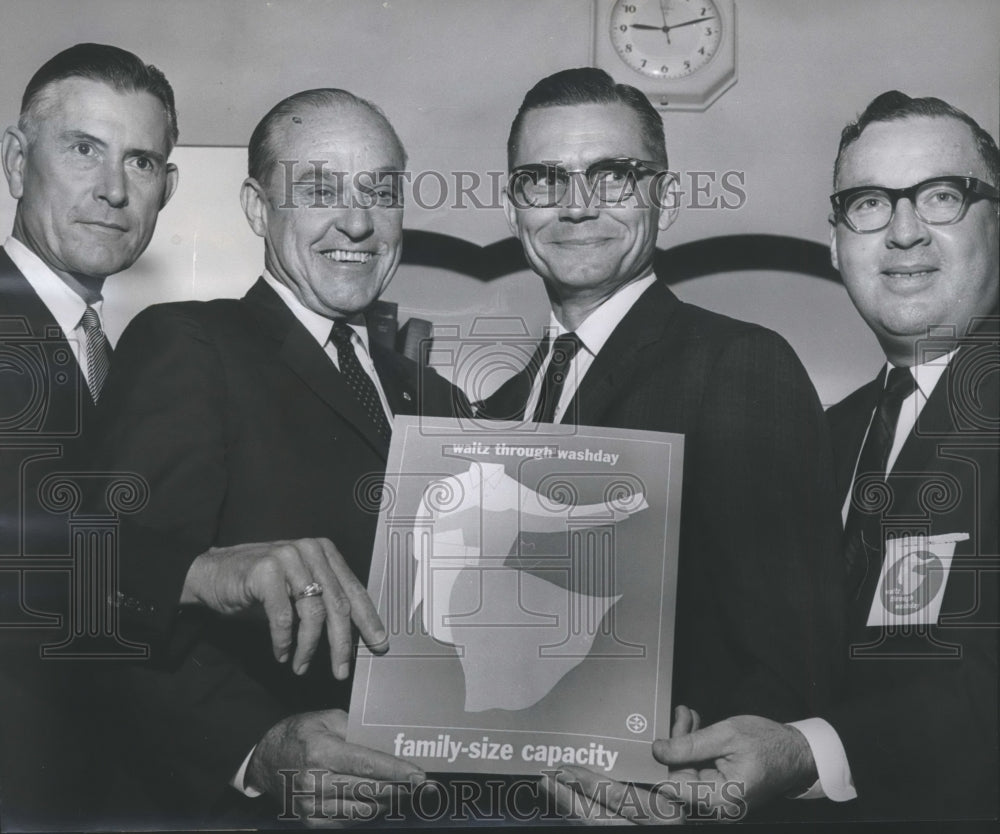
{"x": 915, "y": 237}
{"x": 87, "y": 164}
{"x": 758, "y": 618}
{"x": 261, "y": 420}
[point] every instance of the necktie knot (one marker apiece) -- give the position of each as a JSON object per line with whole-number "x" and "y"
{"x": 90, "y": 320}
{"x": 565, "y": 349}
{"x": 341, "y": 333}
{"x": 899, "y": 385}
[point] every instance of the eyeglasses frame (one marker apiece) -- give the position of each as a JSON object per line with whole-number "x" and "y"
{"x": 972, "y": 189}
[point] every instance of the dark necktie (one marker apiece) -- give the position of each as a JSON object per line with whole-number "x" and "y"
{"x": 98, "y": 351}
{"x": 563, "y": 351}
{"x": 863, "y": 529}
{"x": 361, "y": 384}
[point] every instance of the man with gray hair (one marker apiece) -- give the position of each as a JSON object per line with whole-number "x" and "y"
{"x": 88, "y": 166}
{"x": 264, "y": 419}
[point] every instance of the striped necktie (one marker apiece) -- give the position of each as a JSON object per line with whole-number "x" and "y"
{"x": 98, "y": 351}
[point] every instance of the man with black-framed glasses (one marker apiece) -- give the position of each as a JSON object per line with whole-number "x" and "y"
{"x": 758, "y": 619}
{"x": 916, "y": 237}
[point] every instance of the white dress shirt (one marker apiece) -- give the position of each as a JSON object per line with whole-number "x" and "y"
{"x": 65, "y": 304}
{"x": 595, "y": 330}
{"x": 835, "y": 780}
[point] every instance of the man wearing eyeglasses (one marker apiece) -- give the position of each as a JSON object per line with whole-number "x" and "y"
{"x": 915, "y": 237}
{"x": 758, "y": 620}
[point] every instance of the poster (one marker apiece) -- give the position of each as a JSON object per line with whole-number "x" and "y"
{"x": 527, "y": 579}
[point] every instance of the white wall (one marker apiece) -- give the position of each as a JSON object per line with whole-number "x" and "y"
{"x": 450, "y": 74}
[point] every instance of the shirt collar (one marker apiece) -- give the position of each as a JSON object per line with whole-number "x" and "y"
{"x": 317, "y": 325}
{"x": 597, "y": 328}
{"x": 65, "y": 305}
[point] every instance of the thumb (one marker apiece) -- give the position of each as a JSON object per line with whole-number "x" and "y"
{"x": 700, "y": 746}
{"x": 333, "y": 720}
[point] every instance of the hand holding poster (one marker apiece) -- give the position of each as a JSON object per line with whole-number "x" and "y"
{"x": 526, "y": 576}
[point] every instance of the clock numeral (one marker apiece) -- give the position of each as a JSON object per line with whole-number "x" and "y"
{"x": 701, "y": 51}
{"x": 664, "y": 69}
{"x": 623, "y": 28}
{"x": 709, "y": 30}
{"x": 628, "y": 47}
{"x": 643, "y": 62}
{"x": 703, "y": 11}
{"x": 630, "y": 10}
{"x": 687, "y": 65}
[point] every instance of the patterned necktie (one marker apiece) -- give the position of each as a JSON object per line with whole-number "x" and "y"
{"x": 98, "y": 351}
{"x": 863, "y": 529}
{"x": 360, "y": 382}
{"x": 563, "y": 351}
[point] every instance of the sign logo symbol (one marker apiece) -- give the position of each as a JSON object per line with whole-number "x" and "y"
{"x": 912, "y": 582}
{"x": 636, "y": 723}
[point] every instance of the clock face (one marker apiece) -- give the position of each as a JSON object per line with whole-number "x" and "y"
{"x": 666, "y": 39}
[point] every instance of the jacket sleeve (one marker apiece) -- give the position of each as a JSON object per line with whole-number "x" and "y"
{"x": 162, "y": 418}
{"x": 764, "y": 501}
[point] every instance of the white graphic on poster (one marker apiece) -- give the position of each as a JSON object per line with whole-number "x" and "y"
{"x": 512, "y": 626}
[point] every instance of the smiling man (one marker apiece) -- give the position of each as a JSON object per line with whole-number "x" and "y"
{"x": 265, "y": 419}
{"x": 916, "y": 237}
{"x": 758, "y": 620}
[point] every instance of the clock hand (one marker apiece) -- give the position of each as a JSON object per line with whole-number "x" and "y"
{"x": 667, "y": 29}
{"x": 666, "y": 26}
{"x": 690, "y": 22}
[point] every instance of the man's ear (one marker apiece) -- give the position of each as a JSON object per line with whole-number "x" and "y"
{"x": 510, "y": 212}
{"x": 254, "y": 202}
{"x": 170, "y": 186}
{"x": 668, "y": 196}
{"x": 13, "y": 150}
{"x": 833, "y": 244}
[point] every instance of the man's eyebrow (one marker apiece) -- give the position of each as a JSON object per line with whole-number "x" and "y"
{"x": 83, "y": 136}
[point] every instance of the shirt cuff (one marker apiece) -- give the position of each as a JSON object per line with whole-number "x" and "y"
{"x": 239, "y": 780}
{"x": 835, "y": 781}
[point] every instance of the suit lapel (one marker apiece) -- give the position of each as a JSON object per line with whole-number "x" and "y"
{"x": 399, "y": 383}
{"x": 647, "y": 322}
{"x": 69, "y": 405}
{"x": 848, "y": 424}
{"x": 304, "y": 356}
{"x": 509, "y": 400}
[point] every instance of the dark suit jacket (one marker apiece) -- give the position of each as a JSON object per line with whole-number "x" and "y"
{"x": 920, "y": 720}
{"x": 759, "y": 608}
{"x": 245, "y": 432}
{"x": 44, "y": 405}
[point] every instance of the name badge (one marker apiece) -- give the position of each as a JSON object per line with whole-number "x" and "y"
{"x": 913, "y": 579}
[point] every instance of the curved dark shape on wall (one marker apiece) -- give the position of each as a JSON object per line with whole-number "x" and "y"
{"x": 735, "y": 253}
{"x": 726, "y": 253}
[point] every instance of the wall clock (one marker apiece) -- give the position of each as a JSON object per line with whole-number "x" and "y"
{"x": 680, "y": 53}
